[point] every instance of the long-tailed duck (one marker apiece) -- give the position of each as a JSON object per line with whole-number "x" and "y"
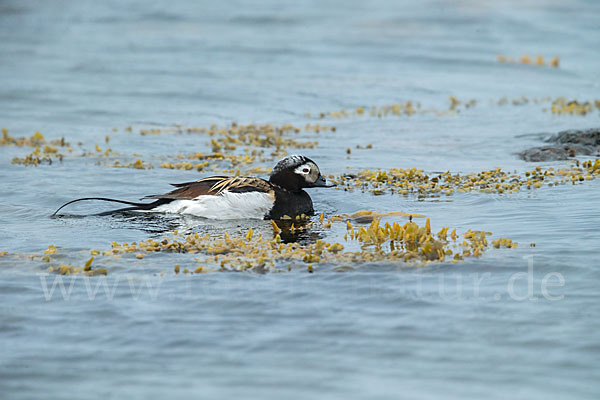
{"x": 222, "y": 197}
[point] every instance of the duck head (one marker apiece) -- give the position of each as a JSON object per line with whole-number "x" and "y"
{"x": 296, "y": 172}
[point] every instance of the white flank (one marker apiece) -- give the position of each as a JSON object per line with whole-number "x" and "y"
{"x": 226, "y": 205}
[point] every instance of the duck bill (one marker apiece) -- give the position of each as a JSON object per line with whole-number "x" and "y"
{"x": 322, "y": 182}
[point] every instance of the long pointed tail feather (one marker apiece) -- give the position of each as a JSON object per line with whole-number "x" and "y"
{"x": 135, "y": 206}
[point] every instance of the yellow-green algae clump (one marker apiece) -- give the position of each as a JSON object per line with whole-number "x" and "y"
{"x": 68, "y": 269}
{"x": 525, "y": 59}
{"x": 228, "y": 138}
{"x": 375, "y": 242}
{"x": 210, "y": 161}
{"x": 562, "y": 105}
{"x": 559, "y": 105}
{"x": 45, "y": 152}
{"x": 416, "y": 181}
{"x": 251, "y": 139}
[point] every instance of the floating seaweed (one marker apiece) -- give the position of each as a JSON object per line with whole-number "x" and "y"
{"x": 416, "y": 181}
{"x": 45, "y": 152}
{"x": 561, "y": 105}
{"x": 225, "y": 142}
{"x": 525, "y": 59}
{"x": 397, "y": 109}
{"x": 376, "y": 242}
{"x": 36, "y": 140}
{"x": 137, "y": 164}
{"x": 86, "y": 269}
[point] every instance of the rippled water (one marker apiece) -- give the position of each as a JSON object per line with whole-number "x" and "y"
{"x": 519, "y": 323}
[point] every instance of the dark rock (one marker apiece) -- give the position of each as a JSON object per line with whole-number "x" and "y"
{"x": 567, "y": 144}
{"x": 588, "y": 137}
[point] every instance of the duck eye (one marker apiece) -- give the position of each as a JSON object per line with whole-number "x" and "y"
{"x": 305, "y": 170}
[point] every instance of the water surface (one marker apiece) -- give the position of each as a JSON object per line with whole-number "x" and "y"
{"x": 78, "y": 69}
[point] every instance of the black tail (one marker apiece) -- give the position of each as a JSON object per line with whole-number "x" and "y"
{"x": 135, "y": 206}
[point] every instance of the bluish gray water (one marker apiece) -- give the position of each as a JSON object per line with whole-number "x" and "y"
{"x": 519, "y": 323}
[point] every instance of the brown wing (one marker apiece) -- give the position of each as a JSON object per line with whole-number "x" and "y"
{"x": 214, "y": 186}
